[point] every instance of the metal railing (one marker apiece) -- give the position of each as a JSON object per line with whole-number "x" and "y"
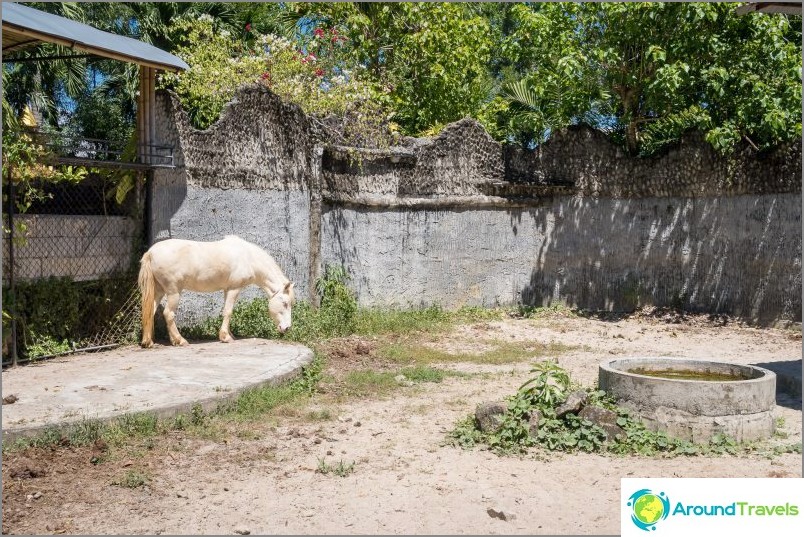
{"x": 78, "y": 150}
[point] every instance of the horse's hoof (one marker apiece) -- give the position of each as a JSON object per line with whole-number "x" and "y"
{"x": 181, "y": 343}
{"x": 147, "y": 344}
{"x": 226, "y": 338}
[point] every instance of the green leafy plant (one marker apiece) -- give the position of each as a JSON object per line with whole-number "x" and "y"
{"x": 341, "y": 469}
{"x": 547, "y": 388}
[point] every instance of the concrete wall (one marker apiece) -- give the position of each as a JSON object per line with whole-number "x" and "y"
{"x": 459, "y": 219}
{"x": 79, "y": 247}
{"x": 740, "y": 255}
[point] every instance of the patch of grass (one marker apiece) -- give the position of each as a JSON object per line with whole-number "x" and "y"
{"x": 132, "y": 479}
{"x": 341, "y": 469}
{"x": 318, "y": 415}
{"x": 502, "y": 353}
{"x": 424, "y": 374}
{"x": 364, "y": 383}
{"x": 384, "y": 321}
{"x": 538, "y": 312}
{"x": 254, "y": 403}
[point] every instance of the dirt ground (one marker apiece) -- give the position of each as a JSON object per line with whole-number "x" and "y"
{"x": 262, "y": 477}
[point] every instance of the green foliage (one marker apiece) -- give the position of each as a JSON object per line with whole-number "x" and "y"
{"x": 132, "y": 479}
{"x": 547, "y": 388}
{"x": 56, "y": 314}
{"x": 427, "y": 61}
{"x": 647, "y": 72}
{"x": 341, "y": 469}
{"x": 312, "y": 73}
{"x": 571, "y": 433}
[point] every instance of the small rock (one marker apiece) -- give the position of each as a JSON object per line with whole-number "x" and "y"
{"x": 574, "y": 403}
{"x": 10, "y": 399}
{"x": 489, "y": 416}
{"x": 226, "y": 489}
{"x": 182, "y": 495}
{"x": 358, "y": 424}
{"x": 533, "y": 423}
{"x": 400, "y": 378}
{"x": 242, "y": 531}
{"x": 36, "y": 495}
{"x": 502, "y": 515}
{"x": 605, "y": 419}
{"x": 317, "y": 441}
{"x": 362, "y": 348}
{"x": 329, "y": 452}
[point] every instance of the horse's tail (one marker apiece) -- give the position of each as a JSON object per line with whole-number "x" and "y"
{"x": 147, "y": 284}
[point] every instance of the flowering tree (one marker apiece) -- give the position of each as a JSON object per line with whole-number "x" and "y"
{"x": 311, "y": 72}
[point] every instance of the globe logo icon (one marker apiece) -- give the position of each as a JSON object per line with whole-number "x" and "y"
{"x": 648, "y": 508}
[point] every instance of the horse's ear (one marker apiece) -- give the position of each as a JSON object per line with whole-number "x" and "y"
{"x": 288, "y": 287}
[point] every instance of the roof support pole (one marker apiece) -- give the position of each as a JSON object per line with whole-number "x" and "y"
{"x": 146, "y": 115}
{"x": 141, "y": 116}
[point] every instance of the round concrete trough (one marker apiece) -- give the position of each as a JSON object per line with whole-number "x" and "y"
{"x": 694, "y": 409}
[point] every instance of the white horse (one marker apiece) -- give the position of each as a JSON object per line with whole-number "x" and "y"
{"x": 173, "y": 265}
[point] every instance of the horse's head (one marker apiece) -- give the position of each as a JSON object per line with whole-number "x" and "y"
{"x": 279, "y": 307}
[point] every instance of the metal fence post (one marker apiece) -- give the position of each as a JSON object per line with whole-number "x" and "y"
{"x": 11, "y": 283}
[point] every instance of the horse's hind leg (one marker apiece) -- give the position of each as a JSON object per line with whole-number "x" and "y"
{"x": 230, "y": 296}
{"x": 148, "y": 334}
{"x": 171, "y": 306}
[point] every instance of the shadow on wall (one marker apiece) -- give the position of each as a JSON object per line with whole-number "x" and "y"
{"x": 737, "y": 255}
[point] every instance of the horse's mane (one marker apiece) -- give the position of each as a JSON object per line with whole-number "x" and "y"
{"x": 265, "y": 259}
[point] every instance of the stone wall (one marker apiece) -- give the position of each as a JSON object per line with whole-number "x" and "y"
{"x": 458, "y": 219}
{"x": 79, "y": 247}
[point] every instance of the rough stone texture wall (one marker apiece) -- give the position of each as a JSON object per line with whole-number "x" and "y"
{"x": 586, "y": 158}
{"x": 459, "y": 219}
{"x": 79, "y": 247}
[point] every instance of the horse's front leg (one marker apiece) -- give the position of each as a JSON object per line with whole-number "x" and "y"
{"x": 171, "y": 306}
{"x": 230, "y": 296}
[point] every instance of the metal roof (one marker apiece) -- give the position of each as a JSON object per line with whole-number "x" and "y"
{"x": 24, "y": 26}
{"x": 791, "y": 8}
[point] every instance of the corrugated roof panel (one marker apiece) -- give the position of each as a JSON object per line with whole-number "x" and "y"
{"x": 24, "y": 21}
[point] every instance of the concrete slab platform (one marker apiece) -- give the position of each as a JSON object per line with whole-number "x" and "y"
{"x": 164, "y": 380}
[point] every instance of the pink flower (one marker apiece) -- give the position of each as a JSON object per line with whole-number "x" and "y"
{"x": 265, "y": 76}
{"x": 318, "y": 32}
{"x": 319, "y": 72}
{"x": 312, "y": 57}
{"x": 248, "y": 27}
{"x": 304, "y": 60}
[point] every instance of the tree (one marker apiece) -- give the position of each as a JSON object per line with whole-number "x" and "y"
{"x": 660, "y": 69}
{"x": 429, "y": 60}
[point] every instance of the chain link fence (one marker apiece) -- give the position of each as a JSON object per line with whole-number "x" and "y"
{"x": 70, "y": 263}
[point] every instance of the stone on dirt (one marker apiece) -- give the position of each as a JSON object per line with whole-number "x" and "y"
{"x": 574, "y": 403}
{"x": 500, "y": 514}
{"x": 533, "y": 423}
{"x": 489, "y": 416}
{"x": 605, "y": 419}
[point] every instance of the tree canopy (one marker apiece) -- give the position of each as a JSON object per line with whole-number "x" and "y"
{"x": 642, "y": 72}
